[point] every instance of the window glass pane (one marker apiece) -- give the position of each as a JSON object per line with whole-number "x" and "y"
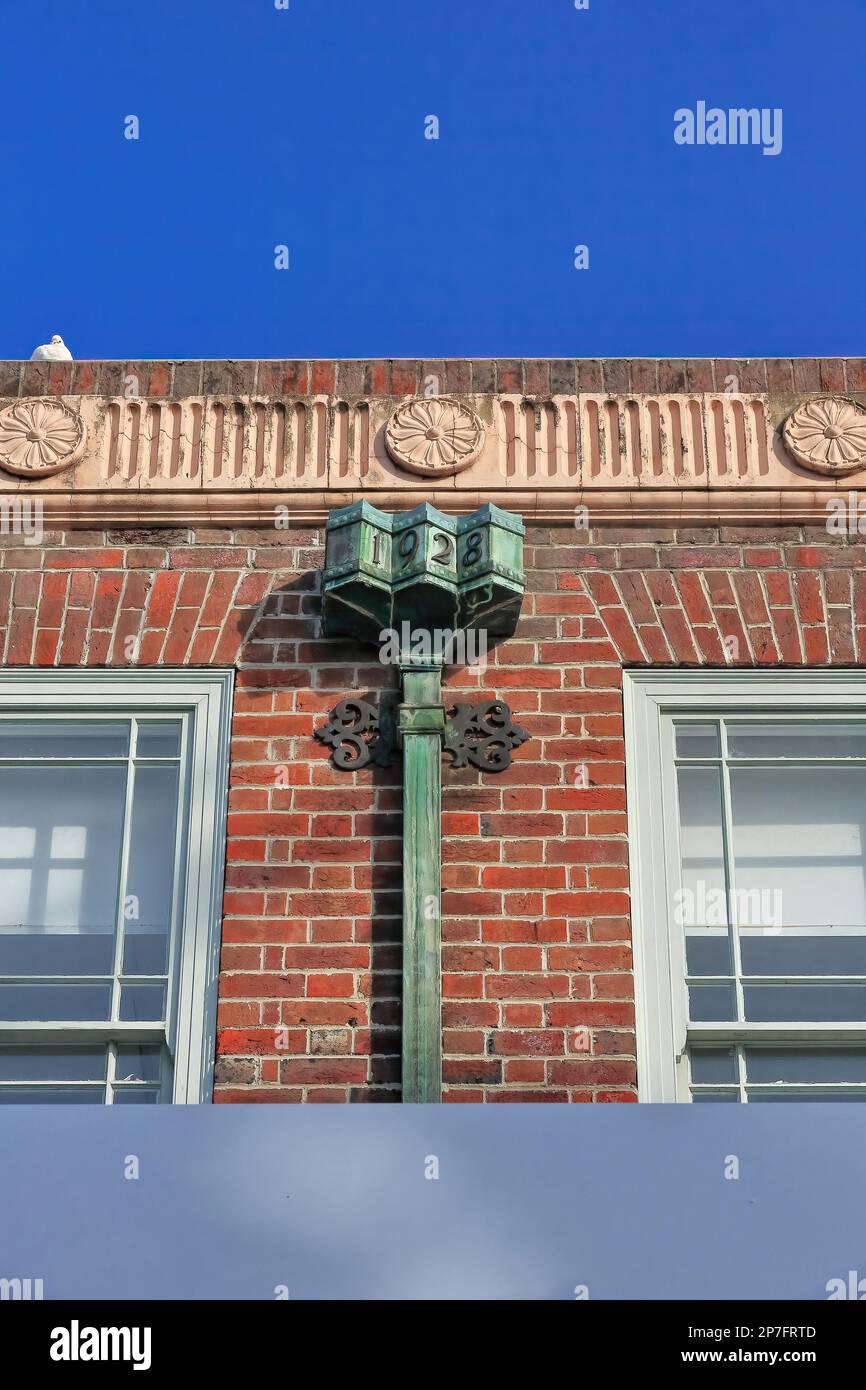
{"x": 708, "y": 952}
{"x": 28, "y": 1063}
{"x": 55, "y": 953}
{"x": 793, "y": 951}
{"x": 138, "y": 1063}
{"x": 712, "y": 1065}
{"x": 137, "y": 1097}
{"x": 160, "y": 740}
{"x": 151, "y": 870}
{"x": 701, "y": 901}
{"x": 798, "y": 843}
{"x": 60, "y": 834}
{"x": 38, "y": 739}
{"x": 810, "y": 740}
{"x": 817, "y": 1064}
{"x": 711, "y": 1003}
{"x": 51, "y": 1095}
{"x": 697, "y": 740}
{"x": 63, "y": 1003}
{"x": 144, "y": 954}
{"x": 805, "y": 1003}
{"x": 144, "y": 1003}
{"x": 726, "y": 1097}
{"x": 701, "y": 846}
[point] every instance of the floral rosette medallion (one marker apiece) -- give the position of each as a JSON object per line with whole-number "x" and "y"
{"x": 827, "y": 435}
{"x": 39, "y": 437}
{"x": 434, "y": 437}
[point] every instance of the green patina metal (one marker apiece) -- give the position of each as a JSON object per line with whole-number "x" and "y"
{"x": 408, "y": 575}
{"x": 421, "y": 721}
{"x": 422, "y": 567}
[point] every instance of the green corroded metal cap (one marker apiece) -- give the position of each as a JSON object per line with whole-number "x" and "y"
{"x": 423, "y": 567}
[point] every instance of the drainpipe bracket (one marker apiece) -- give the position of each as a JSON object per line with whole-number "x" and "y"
{"x": 359, "y": 733}
{"x": 483, "y": 736}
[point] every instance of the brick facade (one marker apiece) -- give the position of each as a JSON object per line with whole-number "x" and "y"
{"x": 536, "y": 956}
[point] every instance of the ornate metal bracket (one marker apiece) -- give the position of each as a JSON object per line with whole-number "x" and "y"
{"x": 359, "y": 733}
{"x": 482, "y": 736}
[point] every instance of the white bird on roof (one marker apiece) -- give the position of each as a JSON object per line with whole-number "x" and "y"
{"x": 55, "y": 351}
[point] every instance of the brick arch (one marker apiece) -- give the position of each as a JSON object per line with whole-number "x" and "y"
{"x": 744, "y": 606}
{"x": 82, "y": 608}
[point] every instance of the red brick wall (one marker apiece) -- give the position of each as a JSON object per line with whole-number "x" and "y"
{"x": 536, "y": 954}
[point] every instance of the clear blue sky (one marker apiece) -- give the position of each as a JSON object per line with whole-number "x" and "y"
{"x": 305, "y": 127}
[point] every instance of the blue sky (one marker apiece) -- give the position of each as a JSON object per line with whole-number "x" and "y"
{"x": 305, "y": 127}
{"x": 531, "y": 1201}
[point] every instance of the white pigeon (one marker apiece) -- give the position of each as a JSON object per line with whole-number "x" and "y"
{"x": 55, "y": 351}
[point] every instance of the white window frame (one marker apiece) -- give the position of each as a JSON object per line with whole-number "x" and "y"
{"x": 661, "y": 1004}
{"x": 205, "y": 699}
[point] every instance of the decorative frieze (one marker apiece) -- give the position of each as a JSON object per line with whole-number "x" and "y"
{"x": 254, "y": 460}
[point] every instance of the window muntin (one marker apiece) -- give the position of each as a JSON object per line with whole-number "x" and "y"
{"x": 112, "y": 820}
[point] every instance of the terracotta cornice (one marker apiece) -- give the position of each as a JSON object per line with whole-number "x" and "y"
{"x": 278, "y": 459}
{"x": 89, "y": 510}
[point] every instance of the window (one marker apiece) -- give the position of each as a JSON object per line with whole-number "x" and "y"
{"x": 112, "y": 822}
{"x": 747, "y": 830}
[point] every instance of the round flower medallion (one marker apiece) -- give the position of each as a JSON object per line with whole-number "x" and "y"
{"x": 827, "y": 435}
{"x": 434, "y": 437}
{"x": 39, "y": 437}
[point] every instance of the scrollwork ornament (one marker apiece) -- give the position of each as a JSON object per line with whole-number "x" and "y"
{"x": 483, "y": 736}
{"x": 359, "y": 734}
